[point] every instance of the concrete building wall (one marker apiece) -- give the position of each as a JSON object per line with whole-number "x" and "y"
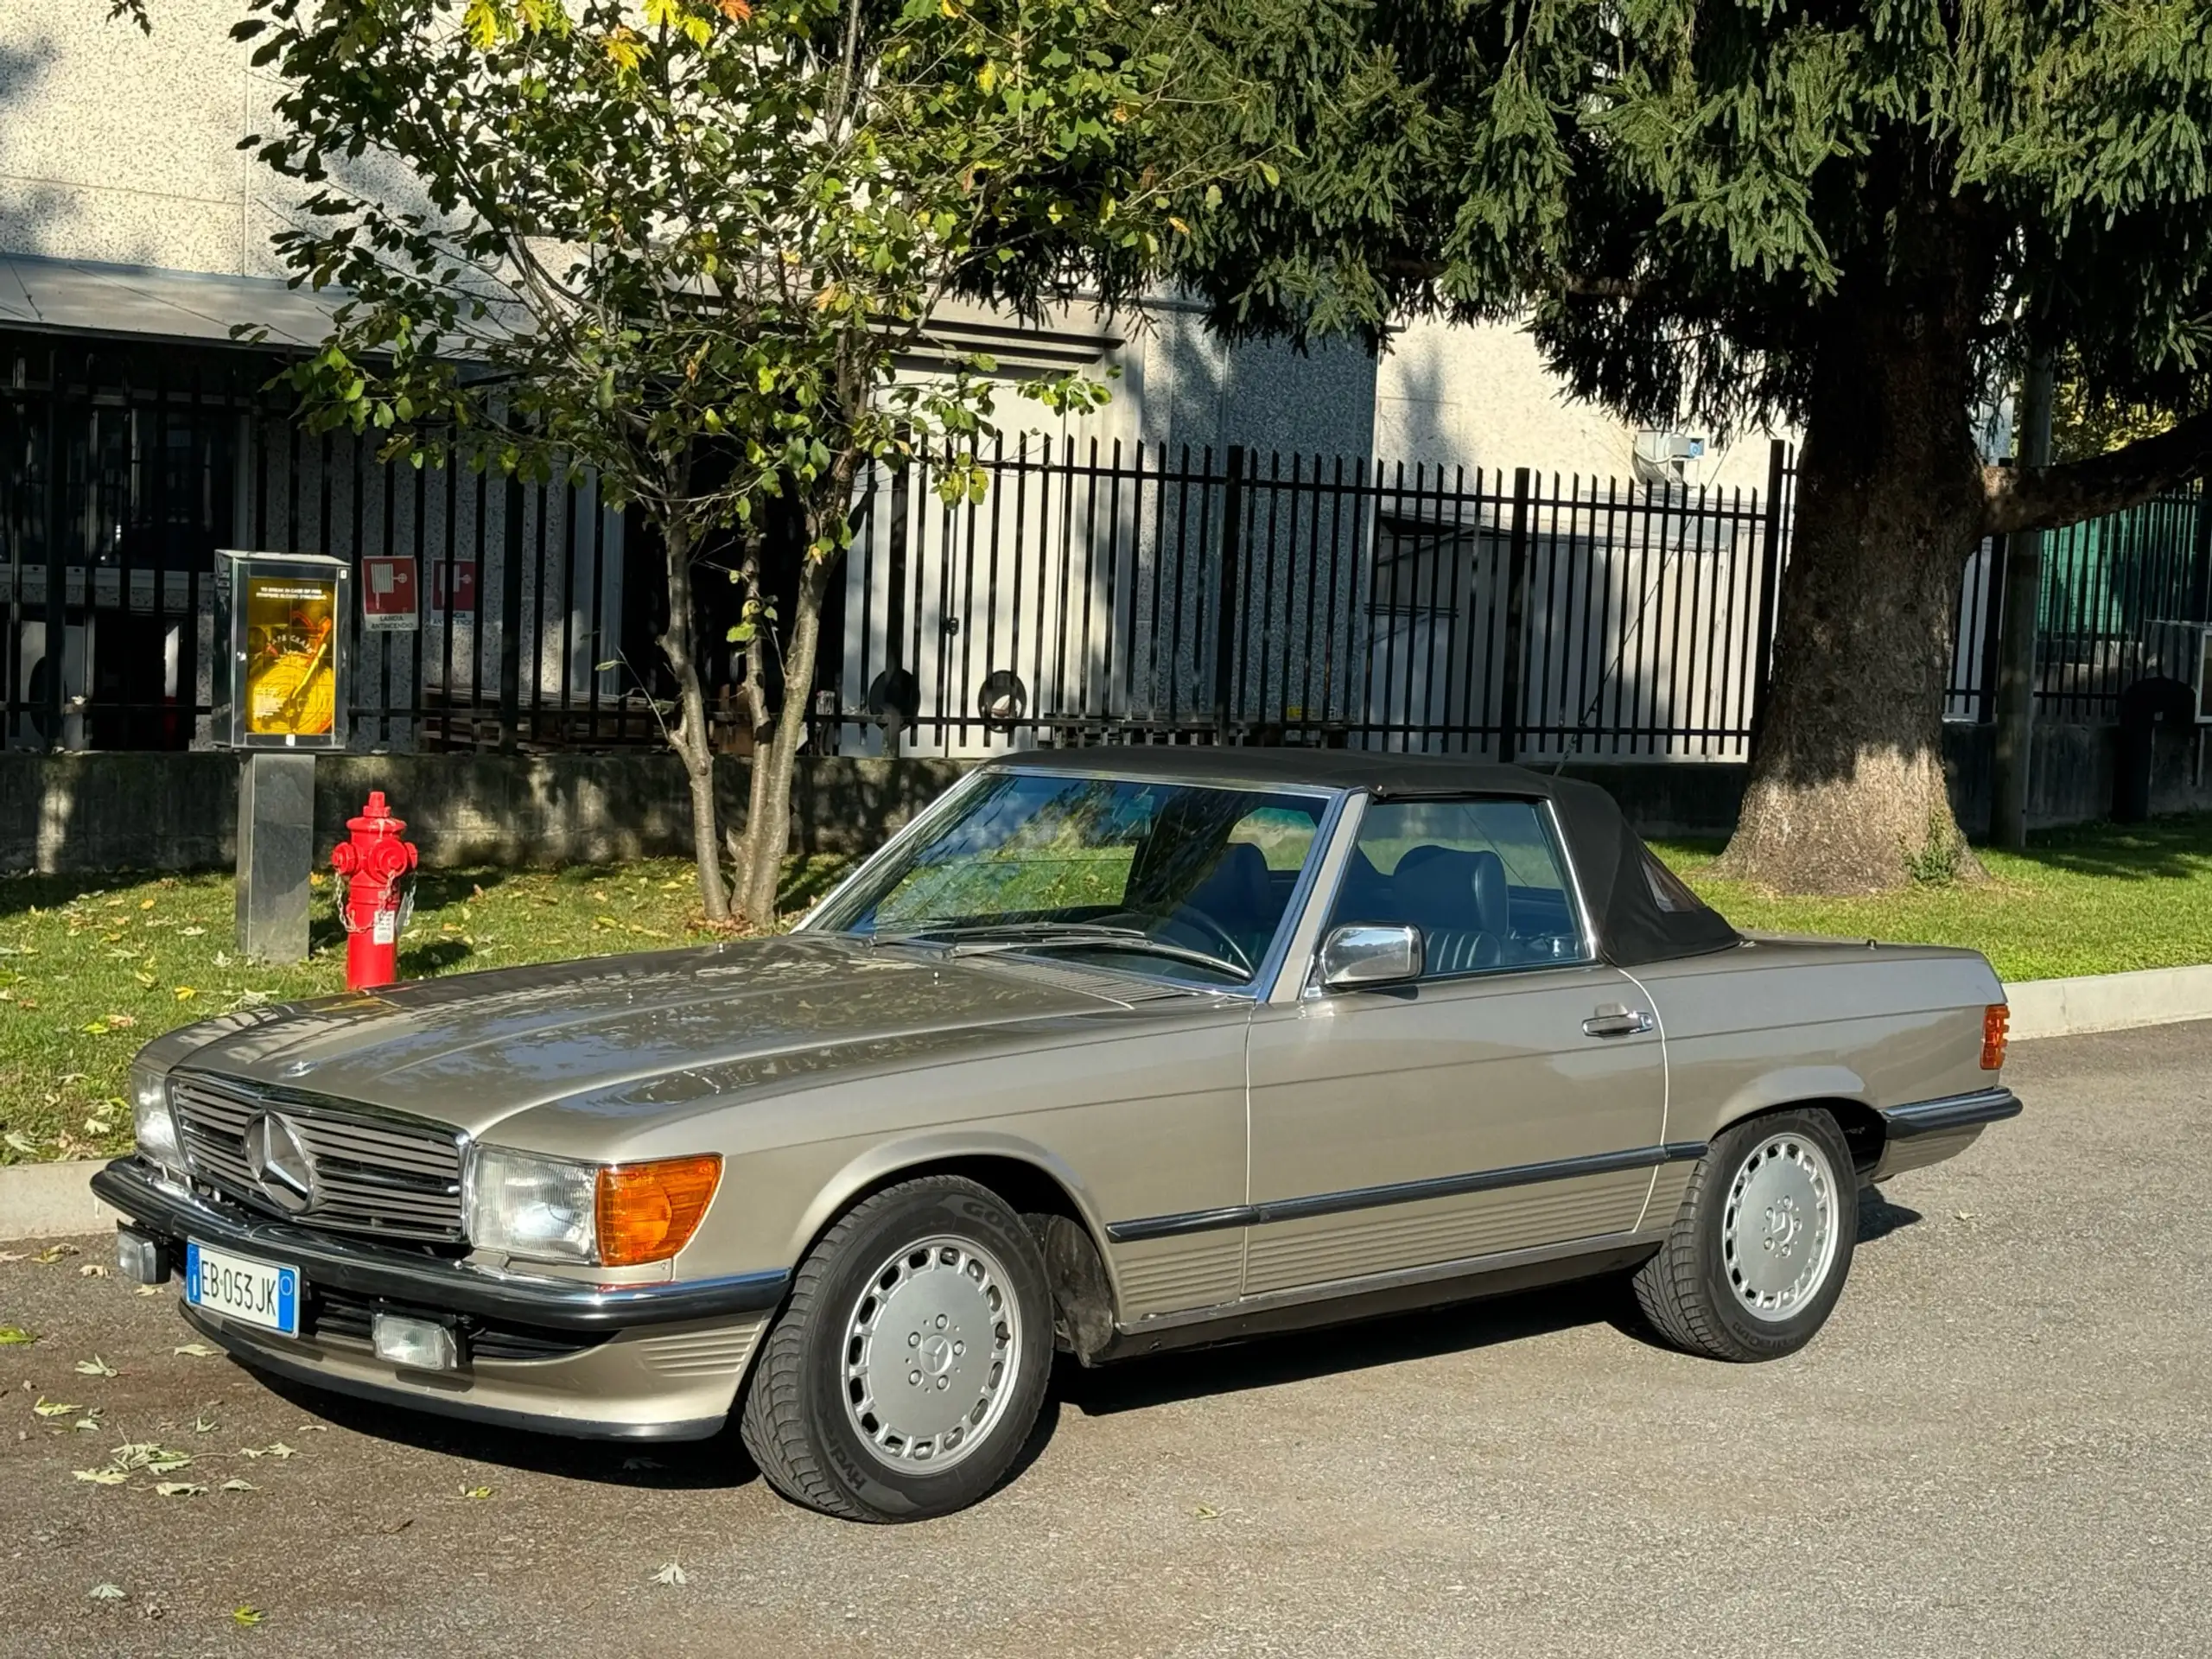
{"x": 122, "y": 148}
{"x": 1455, "y": 395}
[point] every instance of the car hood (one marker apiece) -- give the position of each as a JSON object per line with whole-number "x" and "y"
{"x": 476, "y": 1048}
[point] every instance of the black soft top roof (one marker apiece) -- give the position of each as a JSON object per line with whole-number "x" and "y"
{"x": 1642, "y": 914}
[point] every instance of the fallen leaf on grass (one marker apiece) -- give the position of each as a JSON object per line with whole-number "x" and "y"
{"x": 476, "y": 1491}
{"x": 1968, "y": 1215}
{"x": 90, "y": 1420}
{"x": 103, "y": 1477}
{"x": 197, "y": 1350}
{"x": 277, "y": 1449}
{"x": 94, "y": 1270}
{"x": 670, "y": 1574}
{"x": 147, "y": 1290}
{"x": 23, "y": 1143}
{"x": 234, "y": 1484}
{"x": 96, "y": 1367}
{"x": 47, "y": 1408}
{"x": 13, "y": 1256}
{"x": 185, "y": 993}
{"x": 53, "y": 1253}
{"x": 191, "y": 932}
{"x": 203, "y": 1424}
{"x": 104, "y": 1592}
{"x": 247, "y": 1616}
{"x": 180, "y": 1489}
{"x": 11, "y": 1335}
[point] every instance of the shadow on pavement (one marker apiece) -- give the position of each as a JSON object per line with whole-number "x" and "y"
{"x": 1298, "y": 1356}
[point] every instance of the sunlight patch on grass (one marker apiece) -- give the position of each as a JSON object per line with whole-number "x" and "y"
{"x": 2091, "y": 899}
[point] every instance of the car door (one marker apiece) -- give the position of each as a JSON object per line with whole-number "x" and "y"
{"x": 1513, "y": 1098}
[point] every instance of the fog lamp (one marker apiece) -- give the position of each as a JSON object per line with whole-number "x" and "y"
{"x": 419, "y": 1344}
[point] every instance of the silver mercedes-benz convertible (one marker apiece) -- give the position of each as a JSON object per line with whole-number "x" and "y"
{"x": 1109, "y": 1051}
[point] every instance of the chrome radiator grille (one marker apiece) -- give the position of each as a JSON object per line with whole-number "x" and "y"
{"x": 389, "y": 1176}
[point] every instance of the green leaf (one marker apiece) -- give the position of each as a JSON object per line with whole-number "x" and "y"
{"x": 95, "y": 1366}
{"x": 12, "y": 1335}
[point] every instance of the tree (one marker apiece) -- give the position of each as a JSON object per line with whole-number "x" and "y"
{"x": 1860, "y": 215}
{"x": 696, "y": 250}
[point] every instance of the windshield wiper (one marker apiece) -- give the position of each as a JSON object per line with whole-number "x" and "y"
{"x": 977, "y": 938}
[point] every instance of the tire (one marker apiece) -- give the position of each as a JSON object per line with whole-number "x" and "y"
{"x": 906, "y": 1370}
{"x": 1769, "y": 1184}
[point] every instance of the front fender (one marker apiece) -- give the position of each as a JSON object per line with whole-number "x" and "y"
{"x": 880, "y": 1165}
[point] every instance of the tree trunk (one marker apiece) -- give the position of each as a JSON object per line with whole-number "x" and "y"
{"x": 775, "y": 757}
{"x": 689, "y": 737}
{"x": 1846, "y": 791}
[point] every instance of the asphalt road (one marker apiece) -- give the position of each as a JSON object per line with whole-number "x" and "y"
{"x": 2000, "y": 1446}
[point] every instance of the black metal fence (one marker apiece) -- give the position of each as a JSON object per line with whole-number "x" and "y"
{"x": 1094, "y": 594}
{"x": 1140, "y": 596}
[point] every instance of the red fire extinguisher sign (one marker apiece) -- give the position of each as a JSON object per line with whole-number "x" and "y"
{"x": 388, "y": 600}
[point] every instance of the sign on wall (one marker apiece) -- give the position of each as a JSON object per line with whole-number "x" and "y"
{"x": 388, "y": 595}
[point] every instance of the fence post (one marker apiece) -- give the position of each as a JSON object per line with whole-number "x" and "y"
{"x": 2200, "y": 585}
{"x": 57, "y": 570}
{"x": 1225, "y": 571}
{"x": 1517, "y": 620}
{"x": 511, "y": 618}
{"x": 1778, "y": 484}
{"x": 2013, "y": 755}
{"x": 1993, "y": 631}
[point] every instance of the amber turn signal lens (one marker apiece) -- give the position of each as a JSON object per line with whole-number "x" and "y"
{"x": 1996, "y": 1020}
{"x": 647, "y": 1212}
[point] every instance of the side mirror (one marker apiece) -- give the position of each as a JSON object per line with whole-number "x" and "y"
{"x": 1367, "y": 955}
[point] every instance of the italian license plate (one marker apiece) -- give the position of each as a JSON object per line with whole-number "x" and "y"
{"x": 239, "y": 1288}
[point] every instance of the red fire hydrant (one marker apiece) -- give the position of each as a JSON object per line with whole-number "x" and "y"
{"x": 375, "y": 907}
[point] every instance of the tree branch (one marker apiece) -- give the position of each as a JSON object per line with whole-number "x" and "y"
{"x": 2046, "y": 497}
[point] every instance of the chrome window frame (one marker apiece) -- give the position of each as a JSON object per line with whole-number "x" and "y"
{"x": 1307, "y": 983}
{"x": 1265, "y": 973}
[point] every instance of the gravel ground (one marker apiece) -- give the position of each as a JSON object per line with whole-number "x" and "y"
{"x": 1999, "y": 1446}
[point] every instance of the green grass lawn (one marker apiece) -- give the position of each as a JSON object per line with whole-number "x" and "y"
{"x": 2093, "y": 899}
{"x": 92, "y": 968}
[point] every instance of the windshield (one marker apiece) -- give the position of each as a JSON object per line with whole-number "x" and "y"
{"x": 1171, "y": 879}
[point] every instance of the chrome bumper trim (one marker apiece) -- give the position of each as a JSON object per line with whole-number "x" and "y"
{"x": 1951, "y": 1112}
{"x": 372, "y": 1270}
{"x": 253, "y": 1357}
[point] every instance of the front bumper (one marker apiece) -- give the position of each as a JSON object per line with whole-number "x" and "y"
{"x": 654, "y": 1361}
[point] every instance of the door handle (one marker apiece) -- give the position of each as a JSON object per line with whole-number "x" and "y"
{"x": 1614, "y": 1021}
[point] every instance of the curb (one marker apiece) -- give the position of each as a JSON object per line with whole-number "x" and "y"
{"x": 2074, "y": 1007}
{"x": 51, "y": 1200}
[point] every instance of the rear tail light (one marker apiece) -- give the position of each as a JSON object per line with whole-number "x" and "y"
{"x": 1996, "y": 1022}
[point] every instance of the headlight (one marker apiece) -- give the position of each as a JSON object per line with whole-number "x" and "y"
{"x": 544, "y": 1208}
{"x": 151, "y": 1117}
{"x": 613, "y": 1214}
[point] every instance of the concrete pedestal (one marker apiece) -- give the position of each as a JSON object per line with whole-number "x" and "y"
{"x": 275, "y": 855}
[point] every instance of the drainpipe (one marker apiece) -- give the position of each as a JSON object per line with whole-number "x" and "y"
{"x": 2016, "y": 667}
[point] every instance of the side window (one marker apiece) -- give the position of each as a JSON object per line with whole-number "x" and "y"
{"x": 1483, "y": 880}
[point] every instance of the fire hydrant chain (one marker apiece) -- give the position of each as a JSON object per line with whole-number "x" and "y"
{"x": 375, "y": 905}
